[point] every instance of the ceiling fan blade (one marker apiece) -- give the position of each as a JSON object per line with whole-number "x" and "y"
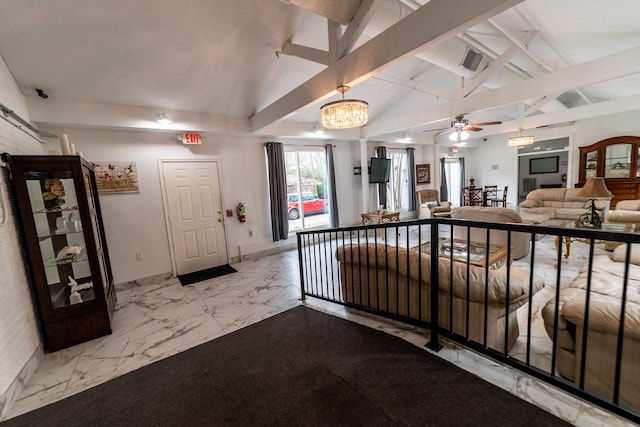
{"x": 473, "y": 128}
{"x": 435, "y": 130}
{"x": 485, "y": 124}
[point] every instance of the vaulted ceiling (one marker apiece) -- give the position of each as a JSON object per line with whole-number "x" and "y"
{"x": 264, "y": 67}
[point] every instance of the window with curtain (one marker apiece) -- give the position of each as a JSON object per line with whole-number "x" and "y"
{"x": 398, "y": 188}
{"x": 452, "y": 168}
{"x": 307, "y": 188}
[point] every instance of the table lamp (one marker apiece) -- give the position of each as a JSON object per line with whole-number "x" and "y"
{"x": 593, "y": 188}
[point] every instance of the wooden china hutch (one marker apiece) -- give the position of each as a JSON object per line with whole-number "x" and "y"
{"x": 59, "y": 210}
{"x": 616, "y": 159}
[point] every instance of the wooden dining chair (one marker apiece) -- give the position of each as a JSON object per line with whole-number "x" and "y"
{"x": 475, "y": 197}
{"x": 503, "y": 200}
{"x": 465, "y": 196}
{"x": 490, "y": 194}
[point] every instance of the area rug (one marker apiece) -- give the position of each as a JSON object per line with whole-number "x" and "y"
{"x": 209, "y": 273}
{"x": 298, "y": 368}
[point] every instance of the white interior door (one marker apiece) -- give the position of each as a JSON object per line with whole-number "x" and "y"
{"x": 195, "y": 215}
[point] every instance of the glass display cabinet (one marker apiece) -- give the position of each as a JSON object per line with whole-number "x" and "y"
{"x": 56, "y": 198}
{"x": 616, "y": 159}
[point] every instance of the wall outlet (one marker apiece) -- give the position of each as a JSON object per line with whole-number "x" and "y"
{"x": 140, "y": 256}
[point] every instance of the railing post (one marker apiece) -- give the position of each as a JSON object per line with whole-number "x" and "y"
{"x": 302, "y": 292}
{"x": 434, "y": 343}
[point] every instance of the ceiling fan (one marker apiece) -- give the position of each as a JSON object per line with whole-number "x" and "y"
{"x": 460, "y": 128}
{"x": 460, "y": 123}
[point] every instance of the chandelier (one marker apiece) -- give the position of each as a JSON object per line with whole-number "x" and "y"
{"x": 344, "y": 114}
{"x": 518, "y": 141}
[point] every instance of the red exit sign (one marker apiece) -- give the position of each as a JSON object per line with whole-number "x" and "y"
{"x": 191, "y": 138}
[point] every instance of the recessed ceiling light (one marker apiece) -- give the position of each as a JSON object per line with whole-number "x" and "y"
{"x": 163, "y": 119}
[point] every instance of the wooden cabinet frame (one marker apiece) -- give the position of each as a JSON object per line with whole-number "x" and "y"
{"x": 623, "y": 188}
{"x": 63, "y": 232}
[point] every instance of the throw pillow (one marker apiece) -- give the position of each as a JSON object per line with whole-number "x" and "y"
{"x": 620, "y": 253}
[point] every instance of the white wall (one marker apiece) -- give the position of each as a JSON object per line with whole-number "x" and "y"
{"x": 136, "y": 222}
{"x": 19, "y": 337}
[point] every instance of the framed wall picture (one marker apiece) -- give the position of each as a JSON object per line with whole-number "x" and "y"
{"x": 116, "y": 177}
{"x": 423, "y": 174}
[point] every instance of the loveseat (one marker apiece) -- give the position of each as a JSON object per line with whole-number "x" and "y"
{"x": 560, "y": 204}
{"x": 602, "y": 324}
{"x": 626, "y": 212}
{"x": 389, "y": 278}
{"x": 520, "y": 242}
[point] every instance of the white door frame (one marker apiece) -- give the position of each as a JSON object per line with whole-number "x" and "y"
{"x": 165, "y": 202}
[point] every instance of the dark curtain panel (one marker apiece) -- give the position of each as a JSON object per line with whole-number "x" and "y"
{"x": 463, "y": 179}
{"x": 277, "y": 177}
{"x": 381, "y": 153}
{"x": 411, "y": 176}
{"x": 331, "y": 177}
{"x": 444, "y": 191}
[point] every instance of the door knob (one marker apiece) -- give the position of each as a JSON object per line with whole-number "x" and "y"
{"x": 219, "y": 216}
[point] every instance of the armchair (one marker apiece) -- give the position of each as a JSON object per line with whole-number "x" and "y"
{"x": 431, "y": 206}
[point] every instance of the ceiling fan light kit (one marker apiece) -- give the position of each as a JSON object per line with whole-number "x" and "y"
{"x": 344, "y": 114}
{"x": 458, "y": 136}
{"x": 521, "y": 140}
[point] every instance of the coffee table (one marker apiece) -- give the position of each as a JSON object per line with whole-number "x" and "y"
{"x": 474, "y": 252}
{"x": 618, "y": 228}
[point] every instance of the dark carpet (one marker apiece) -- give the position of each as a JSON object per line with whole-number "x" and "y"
{"x": 298, "y": 368}
{"x": 209, "y": 273}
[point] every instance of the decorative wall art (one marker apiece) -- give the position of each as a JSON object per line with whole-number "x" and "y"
{"x": 116, "y": 177}
{"x": 423, "y": 174}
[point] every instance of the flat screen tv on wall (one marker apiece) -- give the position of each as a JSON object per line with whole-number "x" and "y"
{"x": 380, "y": 170}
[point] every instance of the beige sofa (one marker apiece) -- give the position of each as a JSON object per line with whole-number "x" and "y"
{"x": 603, "y": 325}
{"x": 560, "y": 204}
{"x": 520, "y": 242}
{"x": 387, "y": 278}
{"x": 626, "y": 212}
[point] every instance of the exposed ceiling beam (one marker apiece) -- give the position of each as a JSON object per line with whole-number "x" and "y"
{"x": 355, "y": 28}
{"x": 541, "y": 103}
{"x": 496, "y": 65}
{"x": 309, "y": 53}
{"x": 591, "y": 72}
{"x": 430, "y": 24}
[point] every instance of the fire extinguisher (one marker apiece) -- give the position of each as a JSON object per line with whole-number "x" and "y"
{"x": 242, "y": 213}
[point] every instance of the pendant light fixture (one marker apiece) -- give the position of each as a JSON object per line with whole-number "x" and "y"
{"x": 521, "y": 140}
{"x": 344, "y": 114}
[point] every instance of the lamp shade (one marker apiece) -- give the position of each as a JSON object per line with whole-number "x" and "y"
{"x": 594, "y": 187}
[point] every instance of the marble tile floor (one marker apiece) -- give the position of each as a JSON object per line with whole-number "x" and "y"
{"x": 157, "y": 318}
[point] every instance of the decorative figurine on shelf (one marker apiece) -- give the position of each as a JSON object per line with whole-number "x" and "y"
{"x": 75, "y": 296}
{"x": 69, "y": 253}
{"x": 53, "y": 196}
{"x": 74, "y": 220}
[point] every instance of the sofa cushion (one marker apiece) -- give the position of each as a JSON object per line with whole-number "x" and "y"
{"x": 619, "y": 215}
{"x": 620, "y": 254}
{"x": 529, "y": 203}
{"x": 629, "y": 205}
